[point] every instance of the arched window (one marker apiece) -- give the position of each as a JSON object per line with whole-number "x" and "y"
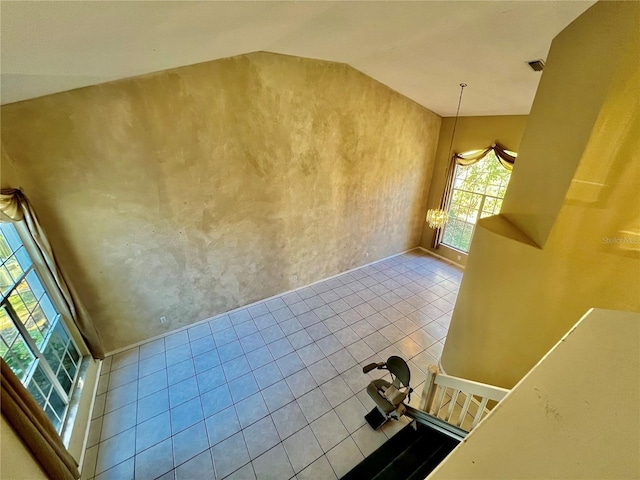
{"x": 476, "y": 192}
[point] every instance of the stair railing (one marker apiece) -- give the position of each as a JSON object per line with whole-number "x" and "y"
{"x": 442, "y": 397}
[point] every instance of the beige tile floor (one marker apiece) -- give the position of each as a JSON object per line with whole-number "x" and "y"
{"x": 275, "y": 390}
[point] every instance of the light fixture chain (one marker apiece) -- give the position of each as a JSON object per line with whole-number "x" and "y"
{"x": 438, "y": 217}
{"x": 455, "y": 123}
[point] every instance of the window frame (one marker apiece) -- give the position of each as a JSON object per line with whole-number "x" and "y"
{"x": 38, "y": 352}
{"x": 479, "y": 212}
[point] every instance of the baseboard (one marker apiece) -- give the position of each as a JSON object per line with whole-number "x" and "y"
{"x": 88, "y": 427}
{"x": 199, "y": 322}
{"x": 448, "y": 260}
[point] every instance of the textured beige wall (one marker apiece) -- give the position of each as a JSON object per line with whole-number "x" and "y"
{"x": 472, "y": 133}
{"x": 192, "y": 191}
{"x": 517, "y": 300}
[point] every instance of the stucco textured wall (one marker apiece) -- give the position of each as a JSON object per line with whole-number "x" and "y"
{"x": 192, "y": 191}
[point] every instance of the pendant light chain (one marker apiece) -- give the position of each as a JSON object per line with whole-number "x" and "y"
{"x": 437, "y": 217}
{"x": 455, "y": 123}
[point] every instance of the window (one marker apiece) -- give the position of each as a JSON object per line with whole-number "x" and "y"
{"x": 477, "y": 192}
{"x": 33, "y": 338}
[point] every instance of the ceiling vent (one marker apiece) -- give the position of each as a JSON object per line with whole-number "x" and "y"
{"x": 536, "y": 65}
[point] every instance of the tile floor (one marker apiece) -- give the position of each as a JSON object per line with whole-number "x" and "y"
{"x": 275, "y": 390}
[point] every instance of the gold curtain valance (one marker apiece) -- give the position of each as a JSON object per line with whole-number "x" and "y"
{"x": 10, "y": 204}
{"x": 506, "y": 159}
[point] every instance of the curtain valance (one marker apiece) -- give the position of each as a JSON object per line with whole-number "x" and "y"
{"x": 506, "y": 159}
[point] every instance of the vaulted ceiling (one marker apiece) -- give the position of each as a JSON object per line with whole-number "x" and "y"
{"x": 421, "y": 49}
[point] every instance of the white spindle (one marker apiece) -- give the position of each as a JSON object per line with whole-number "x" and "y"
{"x": 454, "y": 399}
{"x": 440, "y": 400}
{"x": 465, "y": 409}
{"x": 480, "y": 412}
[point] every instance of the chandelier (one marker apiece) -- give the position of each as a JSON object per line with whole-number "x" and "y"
{"x": 437, "y": 217}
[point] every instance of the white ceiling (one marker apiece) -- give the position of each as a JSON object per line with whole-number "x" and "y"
{"x": 421, "y": 49}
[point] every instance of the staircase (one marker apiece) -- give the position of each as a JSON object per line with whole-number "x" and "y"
{"x": 449, "y": 408}
{"x": 410, "y": 454}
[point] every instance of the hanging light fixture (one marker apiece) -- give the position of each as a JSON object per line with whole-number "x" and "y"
{"x": 437, "y": 217}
